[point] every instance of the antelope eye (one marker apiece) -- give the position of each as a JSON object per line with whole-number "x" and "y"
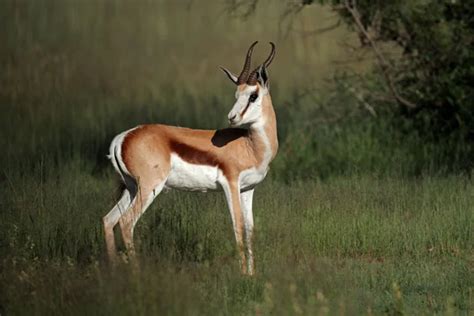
{"x": 253, "y": 97}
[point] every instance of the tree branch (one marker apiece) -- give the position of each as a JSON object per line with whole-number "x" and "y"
{"x": 318, "y": 31}
{"x": 350, "y": 5}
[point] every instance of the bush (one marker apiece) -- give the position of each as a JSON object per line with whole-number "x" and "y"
{"x": 430, "y": 79}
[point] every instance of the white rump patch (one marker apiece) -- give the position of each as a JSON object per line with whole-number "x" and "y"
{"x": 115, "y": 152}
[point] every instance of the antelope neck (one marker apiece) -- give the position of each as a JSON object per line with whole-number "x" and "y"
{"x": 263, "y": 135}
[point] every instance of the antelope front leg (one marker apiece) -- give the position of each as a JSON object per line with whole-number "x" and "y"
{"x": 232, "y": 194}
{"x": 246, "y": 202}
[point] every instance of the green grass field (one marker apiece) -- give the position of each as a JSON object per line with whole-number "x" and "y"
{"x": 357, "y": 215}
{"x": 350, "y": 245}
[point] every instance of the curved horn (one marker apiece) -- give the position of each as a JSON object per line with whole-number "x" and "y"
{"x": 269, "y": 60}
{"x": 245, "y": 71}
{"x": 252, "y": 80}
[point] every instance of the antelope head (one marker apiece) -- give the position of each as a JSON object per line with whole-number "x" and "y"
{"x": 251, "y": 88}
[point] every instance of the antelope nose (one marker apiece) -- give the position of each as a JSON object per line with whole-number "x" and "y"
{"x": 232, "y": 117}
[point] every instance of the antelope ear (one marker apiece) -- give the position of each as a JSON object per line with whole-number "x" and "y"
{"x": 230, "y": 75}
{"x": 263, "y": 76}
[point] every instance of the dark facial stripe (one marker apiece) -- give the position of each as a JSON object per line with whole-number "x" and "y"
{"x": 248, "y": 104}
{"x": 245, "y": 109}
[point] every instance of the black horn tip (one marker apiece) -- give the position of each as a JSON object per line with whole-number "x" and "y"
{"x": 270, "y": 57}
{"x": 273, "y": 46}
{"x": 251, "y": 47}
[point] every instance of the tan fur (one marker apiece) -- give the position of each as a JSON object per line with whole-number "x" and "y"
{"x": 238, "y": 223}
{"x": 233, "y": 150}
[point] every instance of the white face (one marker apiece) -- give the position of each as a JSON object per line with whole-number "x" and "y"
{"x": 248, "y": 107}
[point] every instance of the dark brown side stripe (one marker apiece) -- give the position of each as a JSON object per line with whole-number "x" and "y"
{"x": 196, "y": 156}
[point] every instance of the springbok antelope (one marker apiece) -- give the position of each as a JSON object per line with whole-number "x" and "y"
{"x": 152, "y": 157}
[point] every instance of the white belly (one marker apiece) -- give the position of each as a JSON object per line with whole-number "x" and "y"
{"x": 191, "y": 177}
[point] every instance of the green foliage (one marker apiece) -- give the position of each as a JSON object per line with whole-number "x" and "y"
{"x": 336, "y": 135}
{"x": 435, "y": 69}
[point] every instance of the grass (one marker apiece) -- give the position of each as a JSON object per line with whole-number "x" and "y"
{"x": 350, "y": 245}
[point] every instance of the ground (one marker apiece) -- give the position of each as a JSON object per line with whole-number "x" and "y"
{"x": 349, "y": 245}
